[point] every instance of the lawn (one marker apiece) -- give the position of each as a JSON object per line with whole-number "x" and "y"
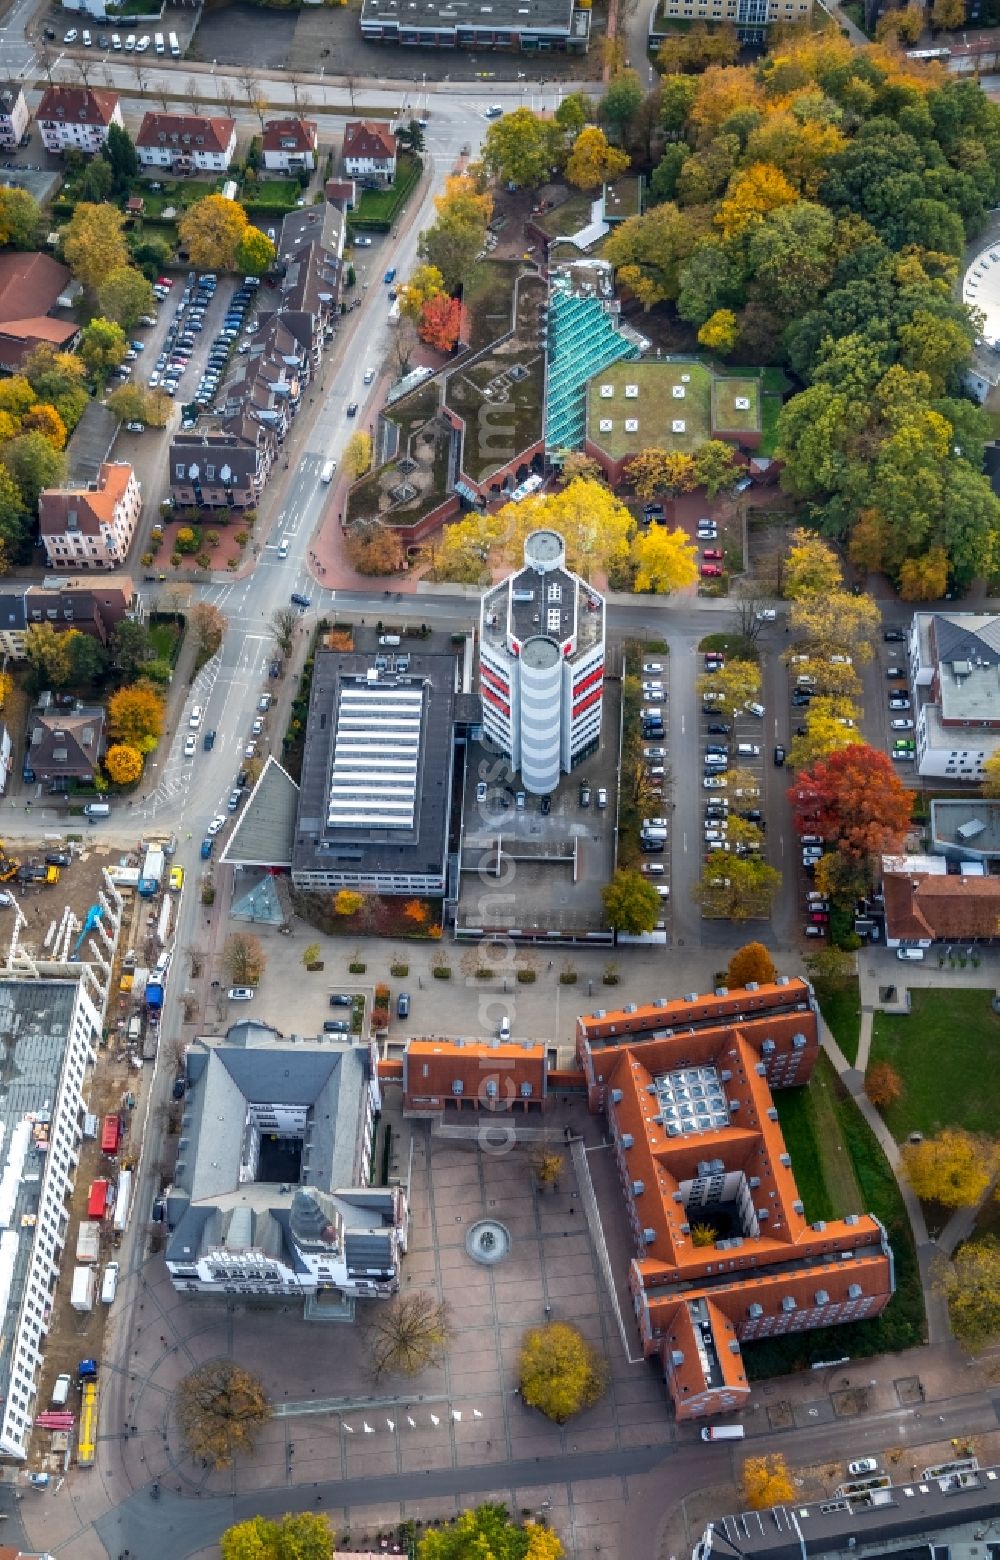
{"x": 727, "y": 389}
{"x": 488, "y": 295}
{"x": 382, "y": 206}
{"x": 272, "y": 192}
{"x": 840, "y": 1005}
{"x": 566, "y": 218}
{"x": 902, "y": 1323}
{"x": 947, "y": 1052}
{"x": 165, "y": 635}
{"x": 654, "y": 409}
{"x": 733, "y": 646}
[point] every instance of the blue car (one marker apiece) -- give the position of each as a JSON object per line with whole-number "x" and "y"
{"x": 137, "y": 346}
{"x": 207, "y": 847}
{"x": 390, "y": 275}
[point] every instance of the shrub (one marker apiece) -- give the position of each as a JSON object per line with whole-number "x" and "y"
{"x": 568, "y": 978}
{"x": 526, "y": 977}
{"x": 381, "y": 994}
{"x": 441, "y": 971}
{"x": 485, "y": 973}
{"x": 380, "y": 1018}
{"x": 356, "y": 967}
{"x": 398, "y": 970}
{"x": 203, "y": 560}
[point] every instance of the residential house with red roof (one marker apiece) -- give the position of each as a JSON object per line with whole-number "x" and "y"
{"x": 290, "y": 144}
{"x": 369, "y": 151}
{"x": 186, "y": 141}
{"x": 31, "y": 286}
{"x": 927, "y": 904}
{"x": 77, "y": 118}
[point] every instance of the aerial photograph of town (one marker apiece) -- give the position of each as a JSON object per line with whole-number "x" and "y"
{"x": 500, "y": 779}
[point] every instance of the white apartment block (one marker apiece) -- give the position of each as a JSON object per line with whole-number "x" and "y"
{"x": 77, "y": 118}
{"x": 186, "y": 141}
{"x": 955, "y": 678}
{"x": 15, "y": 116}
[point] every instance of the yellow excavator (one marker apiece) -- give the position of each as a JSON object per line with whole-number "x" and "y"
{"x": 8, "y": 865}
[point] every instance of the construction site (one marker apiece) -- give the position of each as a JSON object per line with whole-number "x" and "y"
{"x": 86, "y": 936}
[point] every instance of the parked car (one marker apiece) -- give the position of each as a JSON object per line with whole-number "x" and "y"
{"x": 190, "y": 744}
{"x": 652, "y": 668}
{"x": 217, "y": 823}
{"x": 899, "y": 701}
{"x": 779, "y": 756}
{"x": 894, "y": 672}
{"x": 403, "y": 1005}
{"x": 712, "y": 554}
{"x": 585, "y": 795}
{"x": 863, "y": 1465}
{"x": 894, "y": 636}
{"x": 240, "y": 993}
{"x": 710, "y": 571}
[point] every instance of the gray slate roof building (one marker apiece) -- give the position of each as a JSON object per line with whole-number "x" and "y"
{"x": 264, "y": 835}
{"x": 269, "y": 1190}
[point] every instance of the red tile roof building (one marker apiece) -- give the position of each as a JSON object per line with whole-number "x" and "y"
{"x": 369, "y": 150}
{"x": 91, "y": 527}
{"x": 290, "y": 144}
{"x": 686, "y": 1089}
{"x": 923, "y": 908}
{"x": 186, "y": 141}
{"x": 473, "y": 1075}
{"x": 31, "y": 285}
{"x": 77, "y": 118}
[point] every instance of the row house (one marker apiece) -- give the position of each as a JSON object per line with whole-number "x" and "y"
{"x": 91, "y": 527}
{"x": 224, "y": 468}
{"x": 86, "y": 606}
{"x": 185, "y": 142}
{"x": 15, "y": 116}
{"x": 77, "y": 118}
{"x": 268, "y": 382}
{"x": 290, "y": 144}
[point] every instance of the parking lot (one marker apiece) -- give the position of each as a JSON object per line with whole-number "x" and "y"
{"x": 561, "y": 854}
{"x": 201, "y": 321}
{"x": 653, "y": 783}
{"x": 733, "y": 758}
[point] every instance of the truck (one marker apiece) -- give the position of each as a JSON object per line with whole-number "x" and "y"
{"x": 154, "y": 996}
{"x": 111, "y": 1134}
{"x": 151, "y": 873}
{"x": 723, "y": 1433}
{"x": 88, "y": 1241}
{"x": 97, "y": 1202}
{"x": 86, "y": 1445}
{"x": 84, "y": 1288}
{"x": 123, "y": 1200}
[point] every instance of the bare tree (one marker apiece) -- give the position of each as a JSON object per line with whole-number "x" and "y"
{"x": 244, "y": 959}
{"x": 84, "y": 68}
{"x": 284, "y": 622}
{"x": 142, "y": 75}
{"x": 350, "y": 84}
{"x": 224, "y": 88}
{"x": 192, "y": 91}
{"x": 753, "y": 599}
{"x": 44, "y": 56}
{"x": 407, "y": 1334}
{"x": 208, "y": 626}
{"x": 164, "y": 92}
{"x": 255, "y": 97}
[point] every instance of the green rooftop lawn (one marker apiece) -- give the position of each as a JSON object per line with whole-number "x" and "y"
{"x": 497, "y": 430}
{"x": 947, "y": 1052}
{"x": 655, "y": 407}
{"x": 726, "y": 391}
{"x": 623, "y": 198}
{"x": 567, "y": 218}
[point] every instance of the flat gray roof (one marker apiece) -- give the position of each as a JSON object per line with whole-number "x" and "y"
{"x": 518, "y": 15}
{"x": 978, "y": 817}
{"x": 329, "y": 840}
{"x": 891, "y": 1517}
{"x": 91, "y": 443}
{"x": 34, "y": 1026}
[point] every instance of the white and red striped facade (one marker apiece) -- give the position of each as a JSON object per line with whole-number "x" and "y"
{"x": 541, "y": 665}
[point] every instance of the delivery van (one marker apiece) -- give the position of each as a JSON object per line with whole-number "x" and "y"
{"x": 723, "y": 1433}
{"x": 175, "y": 47}
{"x": 97, "y": 810}
{"x": 159, "y": 44}
{"x": 326, "y": 475}
{"x": 60, "y": 1392}
{"x": 109, "y": 1283}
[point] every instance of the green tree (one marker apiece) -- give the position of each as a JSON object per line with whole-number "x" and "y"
{"x": 93, "y": 243}
{"x": 631, "y": 903}
{"x": 13, "y": 518}
{"x": 663, "y": 179}
{"x": 254, "y": 253}
{"x": 487, "y": 1533}
{"x": 19, "y": 217}
{"x": 132, "y": 646}
{"x": 34, "y": 465}
{"x": 737, "y": 888}
{"x": 677, "y": 96}
{"x": 519, "y": 148}
{"x": 124, "y": 296}
{"x": 560, "y": 1373}
{"x": 649, "y": 252}
{"x": 57, "y": 378}
{"x": 119, "y": 149}
{"x": 103, "y": 345}
{"x": 622, "y": 100}
{"x": 96, "y": 181}
{"x": 572, "y": 113}
{"x": 88, "y": 659}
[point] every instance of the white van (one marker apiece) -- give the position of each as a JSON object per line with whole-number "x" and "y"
{"x": 326, "y": 475}
{"x": 283, "y": 548}
{"x": 748, "y": 749}
{"x": 915, "y": 954}
{"x": 97, "y": 810}
{"x": 194, "y": 719}
{"x": 175, "y": 47}
{"x": 388, "y": 639}
{"x": 158, "y": 44}
{"x": 109, "y": 1283}
{"x": 60, "y": 1392}
{"x": 723, "y": 1433}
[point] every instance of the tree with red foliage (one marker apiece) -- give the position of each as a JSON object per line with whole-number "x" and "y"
{"x": 855, "y": 800}
{"x": 440, "y": 322}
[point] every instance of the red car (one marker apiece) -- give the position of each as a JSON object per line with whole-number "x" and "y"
{"x": 819, "y": 917}
{"x": 165, "y": 281}
{"x": 713, "y": 553}
{"x": 711, "y": 571}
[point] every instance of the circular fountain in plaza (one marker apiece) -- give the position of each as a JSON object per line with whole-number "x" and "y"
{"x": 488, "y": 1242}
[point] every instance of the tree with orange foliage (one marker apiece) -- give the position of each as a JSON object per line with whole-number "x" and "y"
{"x": 373, "y": 548}
{"x": 721, "y": 91}
{"x": 416, "y": 911}
{"x": 753, "y": 192}
{"x": 123, "y": 763}
{"x": 924, "y": 578}
{"x": 45, "y": 420}
{"x": 440, "y": 322}
{"x": 751, "y": 962}
{"x": 883, "y": 1085}
{"x": 135, "y": 715}
{"x": 855, "y": 800}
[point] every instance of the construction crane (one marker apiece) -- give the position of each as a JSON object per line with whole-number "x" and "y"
{"x": 8, "y": 865}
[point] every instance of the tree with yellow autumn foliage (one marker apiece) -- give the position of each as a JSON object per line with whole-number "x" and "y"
{"x": 594, "y": 160}
{"x": 719, "y": 332}
{"x": 123, "y": 763}
{"x": 136, "y": 714}
{"x": 767, "y": 1481}
{"x": 661, "y": 471}
{"x": 753, "y": 192}
{"x": 954, "y": 1168}
{"x": 597, "y": 528}
{"x": 559, "y": 1372}
{"x": 751, "y": 962}
{"x": 665, "y": 560}
{"x": 425, "y": 283}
